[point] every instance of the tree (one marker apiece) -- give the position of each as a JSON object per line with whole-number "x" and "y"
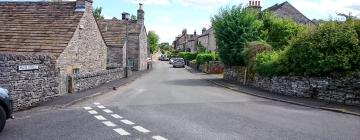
{"x": 234, "y": 27}
{"x": 97, "y": 13}
{"x": 133, "y": 17}
{"x": 200, "y": 48}
{"x": 153, "y": 40}
{"x": 278, "y": 32}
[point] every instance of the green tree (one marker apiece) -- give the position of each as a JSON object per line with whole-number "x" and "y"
{"x": 200, "y": 48}
{"x": 234, "y": 27}
{"x": 332, "y": 47}
{"x": 278, "y": 32}
{"x": 153, "y": 40}
{"x": 98, "y": 13}
{"x": 133, "y": 17}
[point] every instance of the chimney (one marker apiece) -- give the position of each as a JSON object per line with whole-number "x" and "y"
{"x": 203, "y": 30}
{"x": 255, "y": 4}
{"x": 141, "y": 14}
{"x": 125, "y": 16}
{"x": 81, "y": 5}
{"x": 195, "y": 33}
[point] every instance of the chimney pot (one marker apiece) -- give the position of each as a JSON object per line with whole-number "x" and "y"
{"x": 141, "y": 6}
{"x": 125, "y": 16}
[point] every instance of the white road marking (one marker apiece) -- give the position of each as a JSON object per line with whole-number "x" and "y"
{"x": 93, "y": 112}
{"x": 87, "y": 108}
{"x": 116, "y": 116}
{"x": 101, "y": 118}
{"x": 109, "y": 124}
{"x": 127, "y": 122}
{"x": 122, "y": 132}
{"x": 159, "y": 138}
{"x": 101, "y": 107}
{"x": 107, "y": 111}
{"x": 96, "y": 103}
{"x": 141, "y": 129}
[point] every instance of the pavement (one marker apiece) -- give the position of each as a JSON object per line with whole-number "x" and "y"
{"x": 307, "y": 102}
{"x": 173, "y": 104}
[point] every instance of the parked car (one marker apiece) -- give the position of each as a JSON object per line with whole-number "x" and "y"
{"x": 5, "y": 107}
{"x": 163, "y": 58}
{"x": 179, "y": 62}
{"x": 171, "y": 60}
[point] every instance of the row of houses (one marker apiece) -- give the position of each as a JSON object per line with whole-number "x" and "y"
{"x": 188, "y": 42}
{"x": 48, "y": 49}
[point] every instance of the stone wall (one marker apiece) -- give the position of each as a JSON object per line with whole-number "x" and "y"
{"x": 28, "y": 88}
{"x": 213, "y": 67}
{"x": 86, "y": 50}
{"x": 87, "y": 81}
{"x": 338, "y": 90}
{"x": 143, "y": 45}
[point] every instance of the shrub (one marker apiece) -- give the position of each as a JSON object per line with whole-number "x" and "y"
{"x": 190, "y": 56}
{"x": 233, "y": 28}
{"x": 333, "y": 47}
{"x": 252, "y": 49}
{"x": 278, "y": 32}
{"x": 204, "y": 58}
{"x": 271, "y": 63}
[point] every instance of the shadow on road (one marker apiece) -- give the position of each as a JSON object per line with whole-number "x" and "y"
{"x": 188, "y": 82}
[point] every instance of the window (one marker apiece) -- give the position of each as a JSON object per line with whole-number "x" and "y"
{"x": 76, "y": 71}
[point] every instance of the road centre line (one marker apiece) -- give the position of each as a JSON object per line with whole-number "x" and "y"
{"x": 107, "y": 111}
{"x": 116, "y": 116}
{"x": 87, "y": 108}
{"x": 101, "y": 107}
{"x": 127, "y": 122}
{"x": 96, "y": 103}
{"x": 109, "y": 123}
{"x": 121, "y": 131}
{"x": 93, "y": 112}
{"x": 101, "y": 118}
{"x": 159, "y": 138}
{"x": 141, "y": 129}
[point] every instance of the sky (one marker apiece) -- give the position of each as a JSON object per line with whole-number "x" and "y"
{"x": 169, "y": 17}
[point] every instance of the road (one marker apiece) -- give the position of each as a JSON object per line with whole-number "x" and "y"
{"x": 171, "y": 103}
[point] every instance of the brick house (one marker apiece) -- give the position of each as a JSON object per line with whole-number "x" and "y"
{"x": 126, "y": 38}
{"x": 192, "y": 43}
{"x": 43, "y": 43}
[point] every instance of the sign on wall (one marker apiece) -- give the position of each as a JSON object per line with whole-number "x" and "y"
{"x": 28, "y": 67}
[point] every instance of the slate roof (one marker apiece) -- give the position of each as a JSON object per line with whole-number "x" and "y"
{"x": 286, "y": 10}
{"x": 37, "y": 26}
{"x": 114, "y": 30}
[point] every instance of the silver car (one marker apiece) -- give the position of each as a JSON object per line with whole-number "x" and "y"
{"x": 179, "y": 63}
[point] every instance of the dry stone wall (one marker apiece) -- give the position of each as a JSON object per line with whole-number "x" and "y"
{"x": 29, "y": 87}
{"x": 344, "y": 90}
{"x": 87, "y": 81}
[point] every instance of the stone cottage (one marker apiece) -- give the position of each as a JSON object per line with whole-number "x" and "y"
{"x": 181, "y": 40}
{"x": 207, "y": 39}
{"x": 43, "y": 43}
{"x": 286, "y": 10}
{"x": 126, "y": 38}
{"x": 192, "y": 43}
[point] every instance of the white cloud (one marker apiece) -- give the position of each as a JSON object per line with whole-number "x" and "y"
{"x": 204, "y": 4}
{"x": 168, "y": 31}
{"x": 330, "y": 7}
{"x": 157, "y": 2}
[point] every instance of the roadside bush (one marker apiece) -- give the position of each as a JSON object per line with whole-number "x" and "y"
{"x": 252, "y": 49}
{"x": 204, "y": 58}
{"x": 233, "y": 28}
{"x": 271, "y": 63}
{"x": 332, "y": 47}
{"x": 190, "y": 56}
{"x": 278, "y": 32}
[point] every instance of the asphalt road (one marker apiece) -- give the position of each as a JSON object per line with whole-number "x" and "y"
{"x": 171, "y": 103}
